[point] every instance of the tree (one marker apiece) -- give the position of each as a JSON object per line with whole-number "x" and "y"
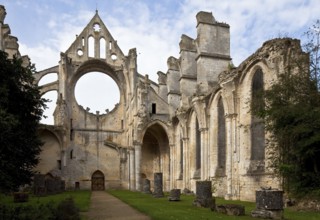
{"x": 21, "y": 108}
{"x": 313, "y": 48}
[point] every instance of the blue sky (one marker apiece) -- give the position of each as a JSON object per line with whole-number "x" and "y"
{"x": 46, "y": 28}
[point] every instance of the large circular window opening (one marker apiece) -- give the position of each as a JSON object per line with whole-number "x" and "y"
{"x": 96, "y": 91}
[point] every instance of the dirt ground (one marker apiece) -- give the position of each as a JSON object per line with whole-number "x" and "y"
{"x": 105, "y": 206}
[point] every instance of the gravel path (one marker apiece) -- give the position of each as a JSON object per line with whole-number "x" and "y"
{"x": 105, "y": 206}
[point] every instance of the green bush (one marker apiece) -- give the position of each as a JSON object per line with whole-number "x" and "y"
{"x": 65, "y": 210}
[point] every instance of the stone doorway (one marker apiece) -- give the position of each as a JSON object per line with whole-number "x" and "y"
{"x": 155, "y": 156}
{"x": 97, "y": 181}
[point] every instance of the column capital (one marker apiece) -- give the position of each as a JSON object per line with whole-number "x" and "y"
{"x": 137, "y": 143}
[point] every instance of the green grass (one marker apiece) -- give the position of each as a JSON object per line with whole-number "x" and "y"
{"x": 162, "y": 209}
{"x": 81, "y": 199}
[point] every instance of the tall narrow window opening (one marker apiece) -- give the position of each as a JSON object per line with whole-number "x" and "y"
{"x": 257, "y": 125}
{"x": 154, "y": 108}
{"x": 91, "y": 46}
{"x": 102, "y": 48}
{"x": 221, "y": 137}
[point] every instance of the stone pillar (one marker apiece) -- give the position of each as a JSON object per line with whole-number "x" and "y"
{"x": 175, "y": 195}
{"x": 132, "y": 169}
{"x": 229, "y": 153}
{"x": 137, "y": 148}
{"x": 236, "y": 158}
{"x": 186, "y": 164}
{"x": 172, "y": 166}
{"x": 269, "y": 204}
{"x": 204, "y": 153}
{"x": 204, "y": 195}
{"x": 158, "y": 185}
{"x": 146, "y": 186}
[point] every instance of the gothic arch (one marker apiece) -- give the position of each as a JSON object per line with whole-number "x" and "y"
{"x": 250, "y": 134}
{"x": 39, "y": 75}
{"x": 257, "y": 125}
{"x": 159, "y": 123}
{"x": 97, "y": 181}
{"x": 155, "y": 152}
{"x": 217, "y": 131}
{"x": 52, "y": 151}
{"x": 194, "y": 146}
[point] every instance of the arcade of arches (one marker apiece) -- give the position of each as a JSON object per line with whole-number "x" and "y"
{"x": 193, "y": 124}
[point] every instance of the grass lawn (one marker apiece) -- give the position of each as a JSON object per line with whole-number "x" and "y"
{"x": 162, "y": 209}
{"x": 81, "y": 199}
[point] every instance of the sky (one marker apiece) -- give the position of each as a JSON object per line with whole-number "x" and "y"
{"x": 154, "y": 27}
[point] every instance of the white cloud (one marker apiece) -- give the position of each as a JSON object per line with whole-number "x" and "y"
{"x": 43, "y": 56}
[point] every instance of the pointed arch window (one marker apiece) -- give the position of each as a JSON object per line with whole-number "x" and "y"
{"x": 221, "y": 137}
{"x": 257, "y": 124}
{"x": 90, "y": 46}
{"x": 102, "y": 48}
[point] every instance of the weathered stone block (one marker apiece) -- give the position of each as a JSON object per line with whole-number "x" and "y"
{"x": 175, "y": 195}
{"x": 231, "y": 209}
{"x": 187, "y": 191}
{"x": 204, "y": 195}
{"x": 146, "y": 186}
{"x": 158, "y": 186}
{"x": 267, "y": 214}
{"x": 269, "y": 199}
{"x": 269, "y": 204}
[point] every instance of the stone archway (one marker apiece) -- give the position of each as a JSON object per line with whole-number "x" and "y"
{"x": 97, "y": 181}
{"x": 156, "y": 154}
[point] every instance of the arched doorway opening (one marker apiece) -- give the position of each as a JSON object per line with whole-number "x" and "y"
{"x": 97, "y": 181}
{"x": 156, "y": 154}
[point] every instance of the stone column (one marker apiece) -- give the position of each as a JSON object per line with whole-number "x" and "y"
{"x": 204, "y": 195}
{"x": 186, "y": 161}
{"x": 236, "y": 158}
{"x": 229, "y": 156}
{"x": 137, "y": 148}
{"x": 132, "y": 169}
{"x": 172, "y": 166}
{"x": 204, "y": 153}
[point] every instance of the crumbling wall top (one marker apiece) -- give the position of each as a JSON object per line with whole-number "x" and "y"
{"x": 173, "y": 63}
{"x": 187, "y": 43}
{"x": 205, "y": 17}
{"x": 3, "y": 13}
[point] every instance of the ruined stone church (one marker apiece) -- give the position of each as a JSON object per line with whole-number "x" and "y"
{"x": 193, "y": 124}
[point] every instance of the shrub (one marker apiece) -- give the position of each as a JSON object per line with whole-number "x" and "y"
{"x": 65, "y": 210}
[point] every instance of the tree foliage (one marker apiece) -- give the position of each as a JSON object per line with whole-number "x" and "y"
{"x": 21, "y": 108}
{"x": 313, "y": 48}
